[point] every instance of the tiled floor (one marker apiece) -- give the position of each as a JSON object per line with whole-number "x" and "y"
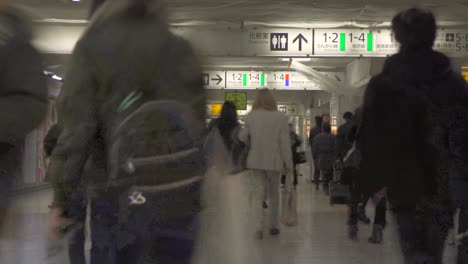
{"x": 320, "y": 237}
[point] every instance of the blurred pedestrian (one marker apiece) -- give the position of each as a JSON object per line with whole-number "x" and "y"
{"x": 315, "y": 131}
{"x": 343, "y": 144}
{"x": 228, "y": 127}
{"x": 23, "y": 94}
{"x": 324, "y": 149}
{"x": 148, "y": 74}
{"x": 268, "y": 135}
{"x": 407, "y": 113}
{"x": 295, "y": 143}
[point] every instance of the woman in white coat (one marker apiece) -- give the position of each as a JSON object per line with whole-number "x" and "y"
{"x": 267, "y": 133}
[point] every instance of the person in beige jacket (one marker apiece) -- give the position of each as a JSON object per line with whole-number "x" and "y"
{"x": 267, "y": 133}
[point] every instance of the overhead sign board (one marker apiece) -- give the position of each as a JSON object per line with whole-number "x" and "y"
{"x": 245, "y": 80}
{"x": 214, "y": 79}
{"x": 279, "y": 42}
{"x": 238, "y": 98}
{"x": 290, "y": 81}
{"x": 344, "y": 42}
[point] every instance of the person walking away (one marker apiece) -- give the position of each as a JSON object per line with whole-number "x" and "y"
{"x": 228, "y": 127}
{"x": 324, "y": 149}
{"x": 146, "y": 66}
{"x": 295, "y": 143}
{"x": 270, "y": 154}
{"x": 23, "y": 95}
{"x": 315, "y": 131}
{"x": 342, "y": 142}
{"x": 404, "y": 136}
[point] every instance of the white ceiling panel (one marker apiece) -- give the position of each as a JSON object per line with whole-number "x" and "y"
{"x": 268, "y": 11}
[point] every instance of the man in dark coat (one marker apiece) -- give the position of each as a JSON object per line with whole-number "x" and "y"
{"x": 404, "y": 134}
{"x": 314, "y": 132}
{"x": 23, "y": 95}
{"x": 343, "y": 145}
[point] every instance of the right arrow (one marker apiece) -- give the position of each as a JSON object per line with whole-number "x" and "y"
{"x": 301, "y": 38}
{"x": 219, "y": 79}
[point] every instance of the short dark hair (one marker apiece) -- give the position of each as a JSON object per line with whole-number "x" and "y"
{"x": 348, "y": 115}
{"x": 326, "y": 127}
{"x": 415, "y": 28}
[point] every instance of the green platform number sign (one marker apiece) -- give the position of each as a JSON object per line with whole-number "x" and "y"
{"x": 239, "y": 98}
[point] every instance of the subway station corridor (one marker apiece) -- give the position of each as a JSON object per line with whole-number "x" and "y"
{"x": 320, "y": 237}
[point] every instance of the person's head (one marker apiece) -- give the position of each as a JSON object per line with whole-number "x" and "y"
{"x": 348, "y": 116}
{"x": 326, "y": 128}
{"x": 415, "y": 29}
{"x": 229, "y": 112}
{"x": 318, "y": 121}
{"x": 265, "y": 101}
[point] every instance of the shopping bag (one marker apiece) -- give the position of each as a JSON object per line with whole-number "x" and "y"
{"x": 289, "y": 208}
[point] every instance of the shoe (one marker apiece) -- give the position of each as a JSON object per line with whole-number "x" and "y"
{"x": 274, "y": 231}
{"x": 259, "y": 235}
{"x": 353, "y": 230}
{"x": 265, "y": 205}
{"x": 362, "y": 215}
{"x": 377, "y": 235}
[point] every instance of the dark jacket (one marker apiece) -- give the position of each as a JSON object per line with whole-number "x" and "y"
{"x": 342, "y": 140}
{"x": 404, "y": 134}
{"x": 23, "y": 90}
{"x": 315, "y": 131}
{"x": 324, "y": 149}
{"x": 295, "y": 143}
{"x": 117, "y": 53}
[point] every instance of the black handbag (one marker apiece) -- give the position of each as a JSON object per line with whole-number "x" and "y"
{"x": 300, "y": 157}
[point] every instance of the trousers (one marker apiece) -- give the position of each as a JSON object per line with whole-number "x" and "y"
{"x": 135, "y": 238}
{"x": 269, "y": 192}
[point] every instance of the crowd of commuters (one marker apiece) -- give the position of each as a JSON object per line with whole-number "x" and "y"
{"x": 405, "y": 146}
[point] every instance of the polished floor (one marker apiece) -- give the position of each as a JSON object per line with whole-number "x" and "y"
{"x": 320, "y": 237}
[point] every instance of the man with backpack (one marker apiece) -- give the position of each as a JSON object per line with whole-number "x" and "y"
{"x": 133, "y": 109}
{"x": 23, "y": 95}
{"x": 407, "y": 123}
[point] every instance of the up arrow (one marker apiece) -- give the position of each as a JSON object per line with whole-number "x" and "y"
{"x": 301, "y": 38}
{"x": 219, "y": 79}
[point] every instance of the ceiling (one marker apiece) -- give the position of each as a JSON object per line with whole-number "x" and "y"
{"x": 267, "y": 11}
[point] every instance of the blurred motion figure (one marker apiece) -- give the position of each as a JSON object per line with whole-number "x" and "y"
{"x": 405, "y": 136}
{"x": 128, "y": 73}
{"x": 23, "y": 94}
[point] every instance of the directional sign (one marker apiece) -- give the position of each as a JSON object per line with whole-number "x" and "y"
{"x": 300, "y": 38}
{"x": 343, "y": 42}
{"x": 278, "y": 42}
{"x": 214, "y": 79}
{"x": 289, "y": 81}
{"x": 245, "y": 80}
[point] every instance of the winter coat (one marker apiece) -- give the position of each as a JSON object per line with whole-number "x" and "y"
{"x": 23, "y": 91}
{"x": 324, "y": 149}
{"x": 117, "y": 53}
{"x": 315, "y": 131}
{"x": 267, "y": 134}
{"x": 405, "y": 128}
{"x": 343, "y": 145}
